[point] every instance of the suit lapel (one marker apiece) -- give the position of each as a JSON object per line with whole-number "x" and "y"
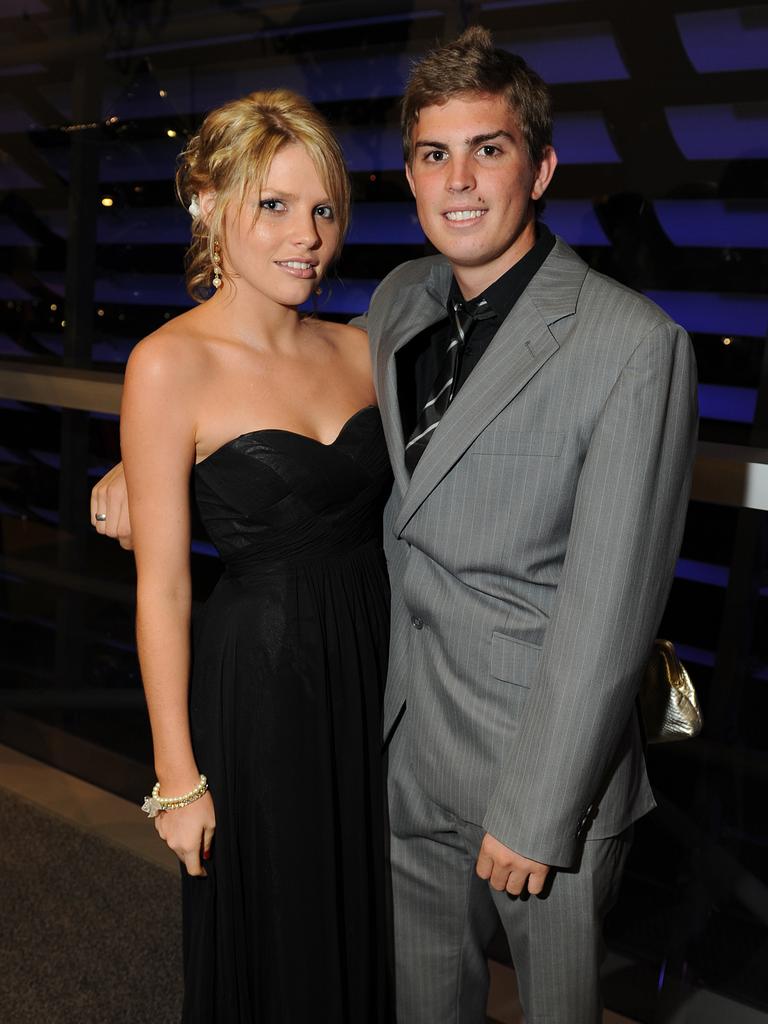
{"x": 522, "y": 345}
{"x": 425, "y": 307}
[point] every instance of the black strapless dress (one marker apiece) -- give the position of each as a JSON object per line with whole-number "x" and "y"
{"x": 289, "y": 669}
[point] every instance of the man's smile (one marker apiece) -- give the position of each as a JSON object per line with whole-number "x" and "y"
{"x": 464, "y": 216}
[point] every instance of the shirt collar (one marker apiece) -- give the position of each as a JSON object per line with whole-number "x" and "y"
{"x": 507, "y": 289}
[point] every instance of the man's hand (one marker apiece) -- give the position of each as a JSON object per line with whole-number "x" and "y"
{"x": 508, "y": 870}
{"x": 109, "y": 507}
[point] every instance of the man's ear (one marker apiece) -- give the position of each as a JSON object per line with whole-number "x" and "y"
{"x": 544, "y": 173}
{"x": 409, "y": 178}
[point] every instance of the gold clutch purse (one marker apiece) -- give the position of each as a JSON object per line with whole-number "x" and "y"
{"x": 668, "y": 703}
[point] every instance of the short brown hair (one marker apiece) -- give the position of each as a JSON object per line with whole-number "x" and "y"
{"x": 232, "y": 153}
{"x": 472, "y": 64}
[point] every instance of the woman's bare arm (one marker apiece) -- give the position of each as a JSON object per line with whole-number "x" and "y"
{"x": 157, "y": 433}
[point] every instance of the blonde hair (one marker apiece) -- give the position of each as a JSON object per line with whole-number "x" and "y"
{"x": 232, "y": 153}
{"x": 472, "y": 64}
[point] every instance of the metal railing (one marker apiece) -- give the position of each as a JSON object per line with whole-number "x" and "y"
{"x": 725, "y": 474}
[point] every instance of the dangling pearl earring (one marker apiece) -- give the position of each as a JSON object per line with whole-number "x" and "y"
{"x": 216, "y": 265}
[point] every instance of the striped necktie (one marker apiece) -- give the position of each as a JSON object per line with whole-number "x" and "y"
{"x": 444, "y": 387}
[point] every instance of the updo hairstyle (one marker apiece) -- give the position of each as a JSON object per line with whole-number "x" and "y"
{"x": 232, "y": 153}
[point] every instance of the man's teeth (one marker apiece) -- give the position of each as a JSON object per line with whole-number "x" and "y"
{"x": 464, "y": 214}
{"x": 297, "y": 264}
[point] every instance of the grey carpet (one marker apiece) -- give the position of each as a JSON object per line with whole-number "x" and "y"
{"x": 89, "y": 932}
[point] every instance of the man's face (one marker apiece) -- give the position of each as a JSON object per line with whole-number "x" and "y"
{"x": 475, "y": 185}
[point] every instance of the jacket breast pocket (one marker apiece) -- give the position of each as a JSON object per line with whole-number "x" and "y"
{"x": 498, "y": 441}
{"x": 514, "y": 661}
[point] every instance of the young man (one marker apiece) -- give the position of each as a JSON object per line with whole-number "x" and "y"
{"x": 541, "y": 423}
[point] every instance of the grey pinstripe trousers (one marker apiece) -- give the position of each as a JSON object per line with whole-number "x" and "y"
{"x": 445, "y": 916}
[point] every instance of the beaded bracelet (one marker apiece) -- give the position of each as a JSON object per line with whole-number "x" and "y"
{"x": 154, "y": 804}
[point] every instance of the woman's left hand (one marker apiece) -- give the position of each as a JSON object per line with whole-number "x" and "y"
{"x": 189, "y": 832}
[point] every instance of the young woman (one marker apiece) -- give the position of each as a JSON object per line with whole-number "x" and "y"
{"x": 267, "y": 749}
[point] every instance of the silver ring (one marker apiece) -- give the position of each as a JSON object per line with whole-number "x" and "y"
{"x": 100, "y": 517}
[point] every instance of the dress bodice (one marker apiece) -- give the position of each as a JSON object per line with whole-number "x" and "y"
{"x": 271, "y": 497}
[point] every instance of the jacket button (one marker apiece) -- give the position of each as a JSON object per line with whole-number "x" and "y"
{"x": 586, "y": 821}
{"x": 416, "y": 622}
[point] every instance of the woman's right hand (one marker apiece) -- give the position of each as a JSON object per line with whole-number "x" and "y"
{"x": 110, "y": 498}
{"x": 189, "y": 832}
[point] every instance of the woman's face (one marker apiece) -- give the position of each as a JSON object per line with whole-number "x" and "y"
{"x": 285, "y": 251}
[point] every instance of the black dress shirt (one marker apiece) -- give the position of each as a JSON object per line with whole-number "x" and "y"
{"x": 418, "y": 362}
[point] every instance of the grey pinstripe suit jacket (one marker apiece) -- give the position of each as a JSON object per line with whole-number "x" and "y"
{"x": 536, "y": 544}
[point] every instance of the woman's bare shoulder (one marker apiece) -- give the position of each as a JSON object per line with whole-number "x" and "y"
{"x": 350, "y": 340}
{"x": 351, "y": 353}
{"x": 176, "y": 349}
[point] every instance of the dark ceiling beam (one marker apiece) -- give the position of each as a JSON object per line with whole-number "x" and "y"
{"x": 549, "y": 16}
{"x": 639, "y": 126}
{"x": 694, "y": 89}
{"x": 29, "y": 98}
{"x": 26, "y": 156}
{"x": 189, "y": 31}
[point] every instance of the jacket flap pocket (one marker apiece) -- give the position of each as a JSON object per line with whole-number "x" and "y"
{"x": 512, "y": 660}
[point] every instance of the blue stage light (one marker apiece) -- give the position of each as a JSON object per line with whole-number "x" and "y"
{"x": 702, "y": 572}
{"x": 720, "y": 131}
{"x": 575, "y": 220}
{"x": 385, "y": 224}
{"x": 372, "y": 148}
{"x": 725, "y": 40}
{"x": 719, "y": 223}
{"x": 203, "y": 547}
{"x": 719, "y": 402}
{"x": 130, "y": 289}
{"x": 583, "y": 138}
{"x": 348, "y": 297}
{"x": 571, "y": 53}
{"x": 695, "y": 655}
{"x": 722, "y": 313}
